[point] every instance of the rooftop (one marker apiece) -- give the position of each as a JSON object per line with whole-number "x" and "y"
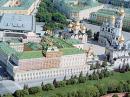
{"x": 73, "y": 41}
{"x": 6, "y": 49}
{"x": 30, "y": 54}
{"x": 109, "y": 12}
{"x": 17, "y": 22}
{"x": 71, "y": 51}
{"x": 83, "y": 4}
{"x": 34, "y": 46}
{"x": 25, "y": 5}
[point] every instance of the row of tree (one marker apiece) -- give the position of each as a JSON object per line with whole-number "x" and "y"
{"x": 89, "y": 90}
{"x": 98, "y": 65}
{"x": 124, "y": 68}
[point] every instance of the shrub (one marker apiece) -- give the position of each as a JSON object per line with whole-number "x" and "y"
{"x": 21, "y": 93}
{"x": 48, "y": 87}
{"x": 33, "y": 90}
{"x": 7, "y": 95}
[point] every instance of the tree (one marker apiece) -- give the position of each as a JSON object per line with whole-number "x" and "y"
{"x": 7, "y": 95}
{"x": 91, "y": 91}
{"x": 97, "y": 65}
{"x": 128, "y": 87}
{"x": 102, "y": 88}
{"x": 57, "y": 17}
{"x": 42, "y": 84}
{"x": 127, "y": 67}
{"x": 48, "y": 87}
{"x": 112, "y": 86}
{"x": 33, "y": 90}
{"x": 81, "y": 93}
{"x": 104, "y": 64}
{"x": 96, "y": 36}
{"x": 55, "y": 83}
{"x": 48, "y": 13}
{"x": 21, "y": 93}
{"x": 89, "y": 33}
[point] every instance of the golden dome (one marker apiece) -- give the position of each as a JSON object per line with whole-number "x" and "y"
{"x": 121, "y": 11}
{"x": 70, "y": 25}
{"x": 83, "y": 27}
{"x": 121, "y": 39}
{"x": 77, "y": 23}
{"x": 112, "y": 17}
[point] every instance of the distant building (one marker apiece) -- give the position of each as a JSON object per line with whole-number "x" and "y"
{"x": 112, "y": 38}
{"x": 104, "y": 14}
{"x": 33, "y": 65}
{"x": 80, "y": 9}
{"x": 25, "y": 7}
{"x": 14, "y": 26}
{"x": 126, "y": 3}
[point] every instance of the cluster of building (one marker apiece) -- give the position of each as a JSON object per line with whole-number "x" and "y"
{"x": 112, "y": 38}
{"x": 18, "y": 6}
{"x": 26, "y": 56}
{"x": 36, "y": 61}
{"x": 105, "y": 14}
{"x": 80, "y": 9}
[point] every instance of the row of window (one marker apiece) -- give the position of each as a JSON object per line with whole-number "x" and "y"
{"x": 50, "y": 73}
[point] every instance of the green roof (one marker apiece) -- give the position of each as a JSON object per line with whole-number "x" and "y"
{"x": 75, "y": 8}
{"x": 25, "y": 5}
{"x": 34, "y": 46}
{"x": 2, "y": 2}
{"x": 30, "y": 54}
{"x": 71, "y": 51}
{"x": 73, "y": 41}
{"x": 7, "y": 49}
{"x": 60, "y": 43}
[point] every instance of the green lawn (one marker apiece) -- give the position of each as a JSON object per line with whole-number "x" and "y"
{"x": 30, "y": 54}
{"x": 69, "y": 88}
{"x": 71, "y": 51}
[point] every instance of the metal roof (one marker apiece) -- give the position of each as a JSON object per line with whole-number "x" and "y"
{"x": 25, "y": 5}
{"x": 17, "y": 22}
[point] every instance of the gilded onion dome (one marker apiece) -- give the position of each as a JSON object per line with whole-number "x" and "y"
{"x": 77, "y": 23}
{"x": 121, "y": 11}
{"x": 83, "y": 27}
{"x": 121, "y": 39}
{"x": 70, "y": 25}
{"x": 112, "y": 17}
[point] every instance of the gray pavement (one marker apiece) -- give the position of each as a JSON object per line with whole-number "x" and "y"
{"x": 8, "y": 86}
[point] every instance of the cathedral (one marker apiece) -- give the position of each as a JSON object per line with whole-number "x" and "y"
{"x": 78, "y": 31}
{"x": 112, "y": 38}
{"x": 111, "y": 32}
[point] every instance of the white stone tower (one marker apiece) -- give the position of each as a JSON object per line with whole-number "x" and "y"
{"x": 119, "y": 22}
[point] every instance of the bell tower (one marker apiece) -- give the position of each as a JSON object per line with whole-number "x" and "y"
{"x": 119, "y": 21}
